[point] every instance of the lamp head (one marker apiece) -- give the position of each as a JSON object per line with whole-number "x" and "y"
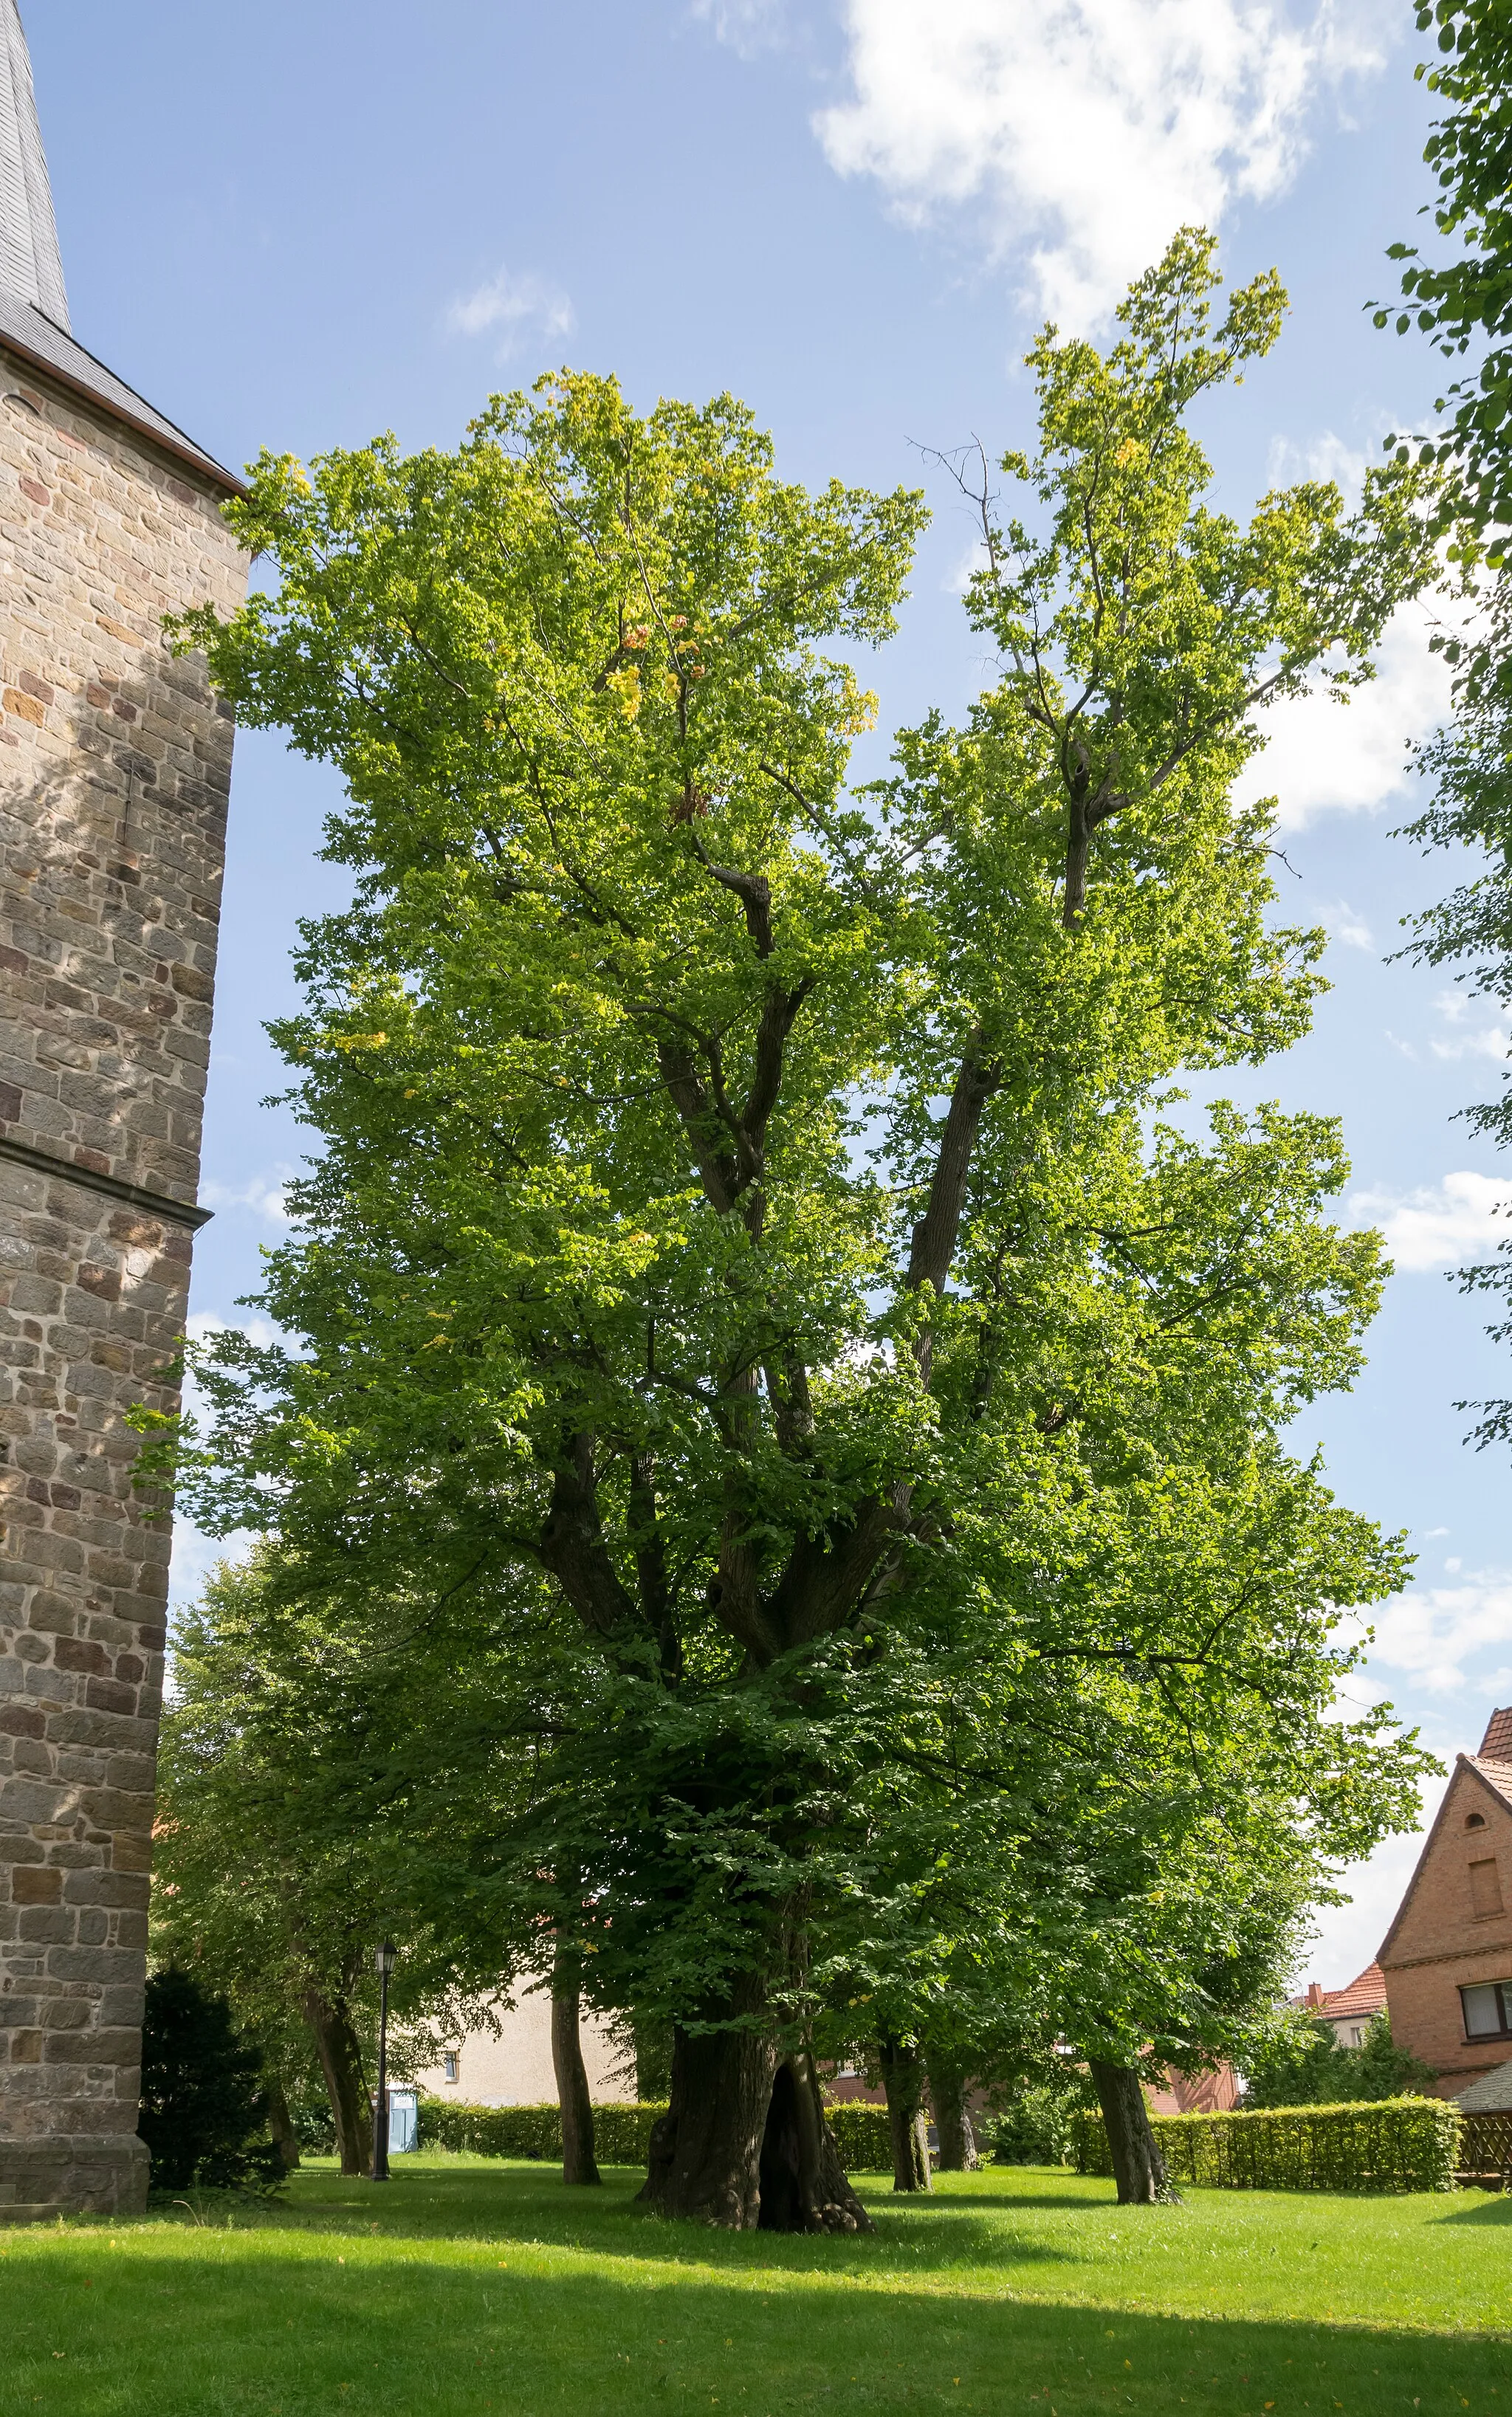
{"x": 383, "y": 1959}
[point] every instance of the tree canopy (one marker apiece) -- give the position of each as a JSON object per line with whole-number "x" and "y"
{"x": 752, "y": 1266}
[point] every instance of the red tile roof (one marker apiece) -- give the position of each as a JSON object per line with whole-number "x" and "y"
{"x": 1365, "y": 1994}
{"x": 1496, "y": 1745}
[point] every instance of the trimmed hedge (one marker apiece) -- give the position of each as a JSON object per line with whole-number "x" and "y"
{"x": 861, "y": 2135}
{"x": 1398, "y": 2144}
{"x": 621, "y": 2134}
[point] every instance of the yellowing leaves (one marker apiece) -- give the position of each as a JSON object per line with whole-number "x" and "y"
{"x": 359, "y": 1040}
{"x": 625, "y": 686}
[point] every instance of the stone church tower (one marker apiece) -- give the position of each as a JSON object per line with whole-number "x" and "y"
{"x": 115, "y": 769}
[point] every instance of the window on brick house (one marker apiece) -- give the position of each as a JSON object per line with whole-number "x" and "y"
{"x": 450, "y": 2064}
{"x": 1488, "y": 2010}
{"x": 1475, "y": 1820}
{"x": 1484, "y": 1886}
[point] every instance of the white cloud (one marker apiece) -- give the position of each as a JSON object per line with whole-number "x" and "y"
{"x": 1434, "y": 1630}
{"x": 264, "y": 1195}
{"x": 1440, "y": 1225}
{"x": 747, "y": 26}
{"x": 1324, "y": 757}
{"x": 1087, "y": 130}
{"x": 1343, "y": 924}
{"x": 520, "y": 310}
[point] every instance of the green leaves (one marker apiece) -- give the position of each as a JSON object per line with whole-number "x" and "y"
{"x": 745, "y": 1305}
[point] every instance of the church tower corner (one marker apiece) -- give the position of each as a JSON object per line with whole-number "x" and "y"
{"x": 114, "y": 778}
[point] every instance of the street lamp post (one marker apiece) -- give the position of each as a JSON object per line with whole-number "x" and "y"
{"x": 383, "y": 1964}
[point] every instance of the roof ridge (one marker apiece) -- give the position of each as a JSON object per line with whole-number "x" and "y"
{"x": 31, "y": 265}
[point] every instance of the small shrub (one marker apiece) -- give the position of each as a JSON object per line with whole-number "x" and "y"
{"x": 1399, "y": 2144}
{"x": 204, "y": 2116}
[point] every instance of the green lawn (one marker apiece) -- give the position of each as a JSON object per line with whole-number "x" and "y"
{"x": 468, "y": 2286}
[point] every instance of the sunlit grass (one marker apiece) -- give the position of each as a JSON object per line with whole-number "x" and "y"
{"x": 466, "y": 2286}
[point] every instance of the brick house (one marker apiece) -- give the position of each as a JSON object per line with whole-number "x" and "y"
{"x": 1447, "y": 1957}
{"x": 1349, "y": 2012}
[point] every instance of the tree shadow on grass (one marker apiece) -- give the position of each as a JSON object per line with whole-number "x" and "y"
{"x": 1493, "y": 2207}
{"x": 259, "y": 2324}
{"x": 514, "y": 2203}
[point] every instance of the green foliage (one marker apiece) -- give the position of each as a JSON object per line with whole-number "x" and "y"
{"x": 1402, "y": 2144}
{"x": 861, "y": 2135}
{"x": 275, "y": 1870}
{"x": 828, "y": 1553}
{"x": 1467, "y": 300}
{"x": 1300, "y": 2063}
{"x": 621, "y": 2134}
{"x": 1035, "y": 2121}
{"x": 204, "y": 2116}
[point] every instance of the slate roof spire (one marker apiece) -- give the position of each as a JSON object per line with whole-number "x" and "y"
{"x": 31, "y": 266}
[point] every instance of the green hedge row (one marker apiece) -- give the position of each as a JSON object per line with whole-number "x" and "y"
{"x": 621, "y": 2134}
{"x": 861, "y": 2137}
{"x": 1400, "y": 2144}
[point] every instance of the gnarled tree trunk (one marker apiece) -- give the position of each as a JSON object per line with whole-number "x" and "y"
{"x": 1138, "y": 2167}
{"x": 903, "y": 2078}
{"x": 804, "y": 2187}
{"x": 578, "y": 2163}
{"x": 957, "y": 2140}
{"x": 744, "y": 2142}
{"x": 340, "y": 2061}
{"x": 706, "y": 2149}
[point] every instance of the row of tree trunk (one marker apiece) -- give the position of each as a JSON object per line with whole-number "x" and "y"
{"x": 744, "y": 2143}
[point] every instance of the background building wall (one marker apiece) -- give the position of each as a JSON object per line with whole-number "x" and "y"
{"x": 1439, "y": 1943}
{"x": 515, "y": 2069}
{"x": 114, "y": 770}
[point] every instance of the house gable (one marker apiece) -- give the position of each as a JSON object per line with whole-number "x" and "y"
{"x": 1458, "y": 1901}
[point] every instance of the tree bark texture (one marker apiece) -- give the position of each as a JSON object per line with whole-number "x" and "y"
{"x": 745, "y": 2144}
{"x": 280, "y": 2124}
{"x": 340, "y": 2061}
{"x": 957, "y": 2140}
{"x": 706, "y": 2149}
{"x": 1138, "y": 2167}
{"x": 578, "y": 2162}
{"x": 903, "y": 2078}
{"x": 804, "y": 2187}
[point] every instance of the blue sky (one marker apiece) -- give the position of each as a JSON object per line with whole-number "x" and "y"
{"x": 296, "y": 226}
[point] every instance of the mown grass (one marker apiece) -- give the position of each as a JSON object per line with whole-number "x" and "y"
{"x": 468, "y": 2286}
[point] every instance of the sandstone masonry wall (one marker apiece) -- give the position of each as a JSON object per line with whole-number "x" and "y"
{"x": 115, "y": 772}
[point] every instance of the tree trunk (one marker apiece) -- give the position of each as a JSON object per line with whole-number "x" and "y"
{"x": 744, "y": 2143}
{"x": 957, "y": 2141}
{"x": 279, "y": 2127}
{"x": 706, "y": 2149}
{"x": 1138, "y": 2167}
{"x": 804, "y": 2187}
{"x": 578, "y": 2165}
{"x": 903, "y": 2078}
{"x": 340, "y": 2061}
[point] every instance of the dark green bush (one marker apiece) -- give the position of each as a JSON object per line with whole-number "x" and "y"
{"x": 204, "y": 2115}
{"x": 1399, "y": 2144}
